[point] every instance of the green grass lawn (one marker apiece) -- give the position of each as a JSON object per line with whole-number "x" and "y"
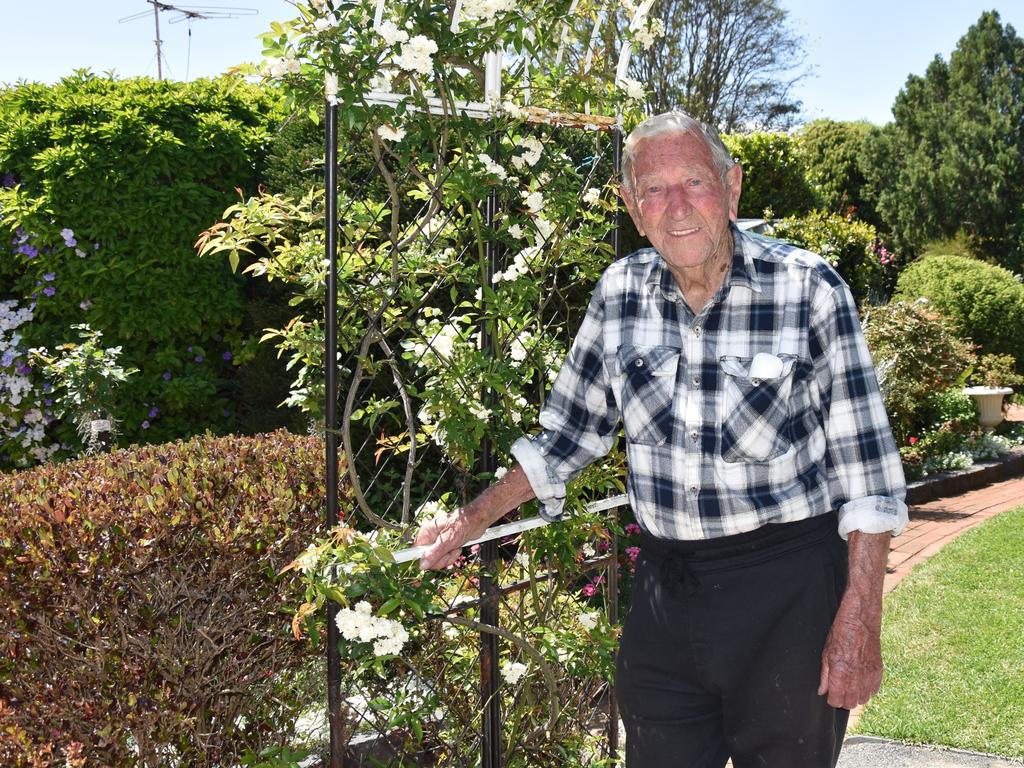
{"x": 953, "y": 640}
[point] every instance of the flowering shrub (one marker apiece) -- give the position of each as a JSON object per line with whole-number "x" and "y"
{"x": 105, "y": 185}
{"x": 851, "y": 246}
{"x": 916, "y": 353}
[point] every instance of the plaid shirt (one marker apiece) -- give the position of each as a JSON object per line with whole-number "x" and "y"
{"x": 714, "y": 446}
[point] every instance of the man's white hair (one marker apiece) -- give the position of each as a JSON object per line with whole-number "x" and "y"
{"x": 675, "y": 121}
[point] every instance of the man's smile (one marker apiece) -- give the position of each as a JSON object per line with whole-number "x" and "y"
{"x": 683, "y": 232}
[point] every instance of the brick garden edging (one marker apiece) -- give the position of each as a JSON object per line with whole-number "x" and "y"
{"x": 953, "y": 483}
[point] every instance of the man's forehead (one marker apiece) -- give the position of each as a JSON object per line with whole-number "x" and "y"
{"x": 678, "y": 150}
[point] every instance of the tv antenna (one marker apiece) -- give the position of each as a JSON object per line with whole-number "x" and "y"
{"x": 187, "y": 13}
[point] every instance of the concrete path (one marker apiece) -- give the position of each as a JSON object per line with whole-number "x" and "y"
{"x": 868, "y": 752}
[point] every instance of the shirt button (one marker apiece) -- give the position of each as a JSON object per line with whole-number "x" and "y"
{"x": 693, "y": 489}
{"x": 696, "y": 381}
{"x": 696, "y": 330}
{"x": 639, "y": 363}
{"x": 694, "y": 435}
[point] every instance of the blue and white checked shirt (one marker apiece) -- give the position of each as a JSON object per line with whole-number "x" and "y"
{"x": 713, "y": 451}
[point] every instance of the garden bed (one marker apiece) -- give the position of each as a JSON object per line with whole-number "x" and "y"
{"x": 960, "y": 481}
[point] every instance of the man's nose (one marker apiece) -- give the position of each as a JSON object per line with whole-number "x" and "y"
{"x": 679, "y": 203}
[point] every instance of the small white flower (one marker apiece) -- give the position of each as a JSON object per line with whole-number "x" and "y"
{"x": 633, "y": 88}
{"x": 492, "y": 167}
{"x": 416, "y": 55}
{"x": 516, "y": 231}
{"x": 382, "y": 81}
{"x": 544, "y": 227}
{"x": 321, "y": 24}
{"x": 588, "y": 619}
{"x": 591, "y": 196}
{"x": 391, "y": 33}
{"x": 500, "y": 472}
{"x": 534, "y": 201}
{"x": 389, "y": 132}
{"x": 307, "y": 560}
{"x": 513, "y": 110}
{"x": 512, "y": 672}
{"x": 532, "y": 150}
{"x": 588, "y": 550}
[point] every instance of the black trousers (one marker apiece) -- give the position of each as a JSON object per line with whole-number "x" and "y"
{"x": 721, "y": 651}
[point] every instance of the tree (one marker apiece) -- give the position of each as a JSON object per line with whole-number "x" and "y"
{"x": 953, "y": 157}
{"x": 830, "y": 150}
{"x": 773, "y": 174}
{"x": 730, "y": 63}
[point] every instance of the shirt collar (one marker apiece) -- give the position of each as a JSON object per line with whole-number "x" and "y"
{"x": 743, "y": 272}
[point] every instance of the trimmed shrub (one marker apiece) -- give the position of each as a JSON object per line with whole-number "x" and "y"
{"x": 145, "y": 620}
{"x": 106, "y": 185}
{"x": 773, "y": 174}
{"x": 985, "y": 301}
{"x": 851, "y": 246}
{"x": 917, "y": 353}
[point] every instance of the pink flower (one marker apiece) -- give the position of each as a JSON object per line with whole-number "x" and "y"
{"x": 632, "y": 553}
{"x": 632, "y": 529}
{"x": 589, "y": 590}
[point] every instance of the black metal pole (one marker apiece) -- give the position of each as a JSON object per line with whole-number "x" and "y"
{"x": 331, "y": 415}
{"x": 490, "y": 744}
{"x": 613, "y": 566}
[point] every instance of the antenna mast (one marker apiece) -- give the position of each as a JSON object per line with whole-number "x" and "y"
{"x": 182, "y": 13}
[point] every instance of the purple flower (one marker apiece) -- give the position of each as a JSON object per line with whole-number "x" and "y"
{"x": 69, "y": 237}
{"x": 167, "y": 375}
{"x": 23, "y": 370}
{"x": 50, "y": 277}
{"x": 95, "y": 246}
{"x": 29, "y": 250}
{"x": 7, "y": 359}
{"x": 198, "y": 358}
{"x": 47, "y": 402}
{"x": 153, "y": 412}
{"x": 145, "y": 425}
{"x": 226, "y": 355}
{"x": 49, "y": 290}
{"x": 8, "y": 180}
{"x": 189, "y": 350}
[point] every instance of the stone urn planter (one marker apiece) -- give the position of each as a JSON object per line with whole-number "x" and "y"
{"x": 990, "y": 404}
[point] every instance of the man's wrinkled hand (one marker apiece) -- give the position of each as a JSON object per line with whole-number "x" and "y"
{"x": 445, "y": 535}
{"x": 851, "y": 663}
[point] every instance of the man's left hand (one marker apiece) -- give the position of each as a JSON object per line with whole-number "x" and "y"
{"x": 851, "y": 663}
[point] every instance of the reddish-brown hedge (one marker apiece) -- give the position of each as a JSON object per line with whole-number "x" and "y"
{"x": 142, "y": 615}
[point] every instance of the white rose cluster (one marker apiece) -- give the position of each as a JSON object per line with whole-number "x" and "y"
{"x": 512, "y": 671}
{"x": 279, "y": 66}
{"x": 591, "y": 196}
{"x": 587, "y": 620}
{"x": 633, "y": 88}
{"x": 391, "y": 33}
{"x": 486, "y": 10}
{"x": 388, "y": 132}
{"x": 417, "y": 55}
{"x": 360, "y": 625}
{"x": 532, "y": 150}
{"x": 492, "y": 167}
{"x": 534, "y": 201}
{"x": 520, "y": 265}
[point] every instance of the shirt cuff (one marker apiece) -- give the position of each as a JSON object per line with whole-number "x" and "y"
{"x": 873, "y": 514}
{"x": 549, "y": 490}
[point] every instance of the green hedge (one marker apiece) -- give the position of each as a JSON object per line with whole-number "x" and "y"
{"x": 107, "y": 184}
{"x": 986, "y": 301}
{"x": 145, "y": 583}
{"x": 773, "y": 174}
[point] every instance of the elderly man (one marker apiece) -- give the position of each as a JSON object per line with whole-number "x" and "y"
{"x": 762, "y": 471}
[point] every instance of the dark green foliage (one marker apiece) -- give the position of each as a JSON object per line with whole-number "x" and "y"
{"x": 950, "y": 411}
{"x": 773, "y": 174}
{"x": 985, "y": 301}
{"x": 831, "y": 151}
{"x": 953, "y": 157}
{"x": 138, "y": 168}
{"x": 917, "y": 353}
{"x": 851, "y": 246}
{"x": 145, "y": 582}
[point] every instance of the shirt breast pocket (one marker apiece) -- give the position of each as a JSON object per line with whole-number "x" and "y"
{"x": 647, "y": 380}
{"x": 755, "y": 411}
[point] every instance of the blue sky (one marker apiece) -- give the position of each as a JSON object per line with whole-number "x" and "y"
{"x": 860, "y": 52}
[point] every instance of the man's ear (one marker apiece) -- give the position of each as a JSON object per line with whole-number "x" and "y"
{"x": 734, "y": 185}
{"x": 633, "y": 208}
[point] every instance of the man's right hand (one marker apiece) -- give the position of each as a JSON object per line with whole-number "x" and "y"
{"x": 446, "y": 535}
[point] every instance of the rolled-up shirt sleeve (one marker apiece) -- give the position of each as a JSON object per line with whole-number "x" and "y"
{"x": 865, "y": 473}
{"x": 579, "y": 420}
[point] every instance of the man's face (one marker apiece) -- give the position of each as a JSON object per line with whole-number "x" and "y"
{"x": 680, "y": 202}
